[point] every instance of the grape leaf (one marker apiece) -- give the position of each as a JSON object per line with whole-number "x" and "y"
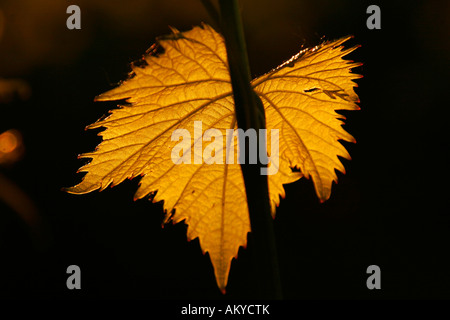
{"x": 184, "y": 78}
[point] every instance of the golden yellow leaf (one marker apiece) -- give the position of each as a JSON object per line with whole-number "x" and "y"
{"x": 300, "y": 98}
{"x": 190, "y": 82}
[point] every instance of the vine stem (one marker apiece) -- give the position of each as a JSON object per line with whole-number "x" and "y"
{"x": 250, "y": 114}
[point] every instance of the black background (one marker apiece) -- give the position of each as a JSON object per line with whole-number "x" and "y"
{"x": 390, "y": 208}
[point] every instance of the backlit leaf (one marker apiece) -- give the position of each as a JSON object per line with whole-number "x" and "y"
{"x": 189, "y": 82}
{"x": 300, "y": 98}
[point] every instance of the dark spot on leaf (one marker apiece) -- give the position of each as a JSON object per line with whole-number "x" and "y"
{"x": 337, "y": 93}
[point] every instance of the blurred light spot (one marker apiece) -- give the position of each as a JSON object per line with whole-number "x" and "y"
{"x": 8, "y": 141}
{"x": 11, "y": 146}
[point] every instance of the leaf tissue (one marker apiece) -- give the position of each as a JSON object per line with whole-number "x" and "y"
{"x": 185, "y": 78}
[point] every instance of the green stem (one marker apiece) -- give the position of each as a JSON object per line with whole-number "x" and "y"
{"x": 212, "y": 11}
{"x": 250, "y": 114}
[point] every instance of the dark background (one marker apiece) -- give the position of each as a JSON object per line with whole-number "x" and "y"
{"x": 390, "y": 209}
